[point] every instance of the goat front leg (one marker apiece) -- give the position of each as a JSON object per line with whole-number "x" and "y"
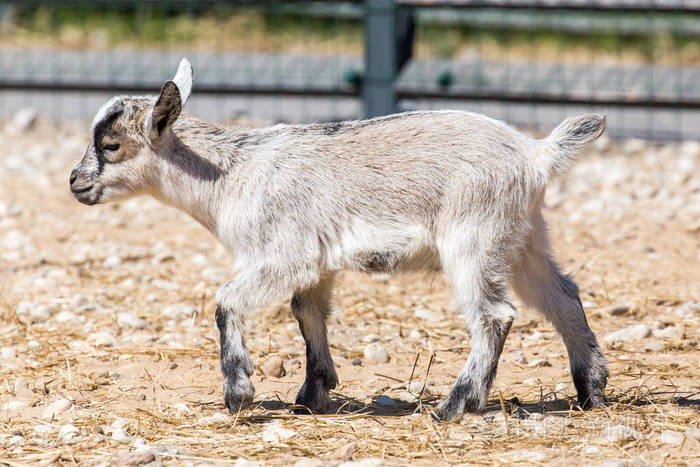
{"x": 235, "y": 300}
{"x": 311, "y": 308}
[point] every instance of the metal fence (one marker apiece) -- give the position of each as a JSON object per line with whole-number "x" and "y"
{"x": 530, "y": 62}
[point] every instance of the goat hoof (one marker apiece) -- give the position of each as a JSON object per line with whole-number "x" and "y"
{"x": 238, "y": 395}
{"x": 312, "y": 399}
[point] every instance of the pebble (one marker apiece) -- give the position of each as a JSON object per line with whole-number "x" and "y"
{"x": 56, "y": 408}
{"x": 275, "y": 433}
{"x": 614, "y": 462}
{"x": 618, "y": 310}
{"x": 529, "y": 456}
{"x": 20, "y": 384}
{"x": 671, "y": 437}
{"x": 519, "y": 358}
{"x": 345, "y": 451}
{"x": 216, "y": 419}
{"x": 120, "y": 435}
{"x": 669, "y": 332}
{"x": 15, "y": 405}
{"x": 43, "y": 430}
{"x": 135, "y": 457}
{"x": 68, "y": 432}
{"x": 356, "y": 361}
{"x": 179, "y": 311}
{"x": 693, "y": 433}
{"x": 130, "y": 320}
{"x": 309, "y": 462}
{"x": 561, "y": 387}
{"x": 165, "y": 285}
{"x": 120, "y": 423}
{"x": 102, "y": 339}
{"x": 25, "y": 119}
{"x": 428, "y": 315}
{"x": 376, "y": 353}
{"x": 7, "y": 353}
{"x": 66, "y": 316}
{"x": 31, "y": 312}
{"x": 638, "y": 331}
{"x": 274, "y": 367}
{"x": 591, "y": 450}
{"x": 368, "y": 462}
{"x": 654, "y": 346}
{"x": 181, "y": 408}
{"x": 369, "y": 338}
{"x": 112, "y": 261}
{"x": 620, "y": 434}
{"x": 415, "y": 387}
{"x": 243, "y": 462}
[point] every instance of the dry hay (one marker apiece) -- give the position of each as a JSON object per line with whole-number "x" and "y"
{"x": 623, "y": 223}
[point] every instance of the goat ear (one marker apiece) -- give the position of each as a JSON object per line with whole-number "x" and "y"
{"x": 183, "y": 80}
{"x": 165, "y": 111}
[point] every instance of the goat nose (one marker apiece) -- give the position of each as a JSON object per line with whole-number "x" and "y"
{"x": 73, "y": 176}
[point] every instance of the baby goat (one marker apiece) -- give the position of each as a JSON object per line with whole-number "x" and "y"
{"x": 440, "y": 191}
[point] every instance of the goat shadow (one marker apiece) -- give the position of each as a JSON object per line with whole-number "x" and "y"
{"x": 558, "y": 407}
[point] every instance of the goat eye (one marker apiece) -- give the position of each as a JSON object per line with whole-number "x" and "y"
{"x": 110, "y": 147}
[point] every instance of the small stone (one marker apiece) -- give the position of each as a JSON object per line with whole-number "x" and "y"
{"x": 693, "y": 433}
{"x": 369, "y": 338}
{"x": 25, "y": 119}
{"x": 112, "y": 261}
{"x": 165, "y": 285}
{"x": 620, "y": 433}
{"x": 275, "y": 433}
{"x": 20, "y": 384}
{"x": 416, "y": 335}
{"x": 669, "y": 333}
{"x": 130, "y": 320}
{"x": 671, "y": 437}
{"x": 309, "y": 462}
{"x": 591, "y": 450}
{"x": 179, "y": 311}
{"x": 654, "y": 346}
{"x": 30, "y": 312}
{"x": 181, "y": 408}
{"x": 68, "y": 432}
{"x": 120, "y": 423}
{"x": 376, "y": 353}
{"x": 356, "y": 361}
{"x": 15, "y": 405}
{"x": 538, "y": 363}
{"x": 102, "y": 339}
{"x": 120, "y": 435}
{"x": 428, "y": 315}
{"x": 274, "y": 367}
{"x": 345, "y": 451}
{"x": 43, "y": 430}
{"x": 66, "y": 316}
{"x": 56, "y": 408}
{"x": 7, "y": 353}
{"x": 519, "y": 358}
{"x": 529, "y": 456}
{"x": 614, "y": 462}
{"x": 561, "y": 387}
{"x": 536, "y": 416}
{"x": 216, "y": 419}
{"x": 369, "y": 462}
{"x": 386, "y": 400}
{"x": 415, "y": 387}
{"x": 135, "y": 457}
{"x": 243, "y": 462}
{"x": 618, "y": 310}
{"x": 639, "y": 331}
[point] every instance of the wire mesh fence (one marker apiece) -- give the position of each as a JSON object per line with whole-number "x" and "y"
{"x": 527, "y": 61}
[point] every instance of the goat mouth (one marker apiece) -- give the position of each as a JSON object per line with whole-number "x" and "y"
{"x": 87, "y": 195}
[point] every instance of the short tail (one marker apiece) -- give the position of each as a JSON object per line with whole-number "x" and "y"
{"x": 569, "y": 137}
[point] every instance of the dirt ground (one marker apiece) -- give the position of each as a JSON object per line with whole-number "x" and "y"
{"x": 108, "y": 314}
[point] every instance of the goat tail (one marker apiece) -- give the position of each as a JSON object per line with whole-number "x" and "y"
{"x": 566, "y": 140}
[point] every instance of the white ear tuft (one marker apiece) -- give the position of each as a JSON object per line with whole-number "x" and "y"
{"x": 183, "y": 80}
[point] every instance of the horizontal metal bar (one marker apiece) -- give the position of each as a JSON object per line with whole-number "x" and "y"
{"x": 692, "y": 6}
{"x": 9, "y": 85}
{"x": 689, "y": 104}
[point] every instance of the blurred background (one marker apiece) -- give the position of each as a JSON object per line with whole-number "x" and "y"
{"x": 529, "y": 62}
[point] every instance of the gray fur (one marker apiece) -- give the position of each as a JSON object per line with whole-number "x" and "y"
{"x": 450, "y": 191}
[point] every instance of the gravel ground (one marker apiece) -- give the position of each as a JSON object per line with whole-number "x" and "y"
{"x": 108, "y": 347}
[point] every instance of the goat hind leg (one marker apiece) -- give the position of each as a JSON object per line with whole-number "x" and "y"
{"x": 311, "y": 308}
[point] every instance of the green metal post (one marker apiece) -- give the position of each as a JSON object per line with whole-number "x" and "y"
{"x": 378, "y": 93}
